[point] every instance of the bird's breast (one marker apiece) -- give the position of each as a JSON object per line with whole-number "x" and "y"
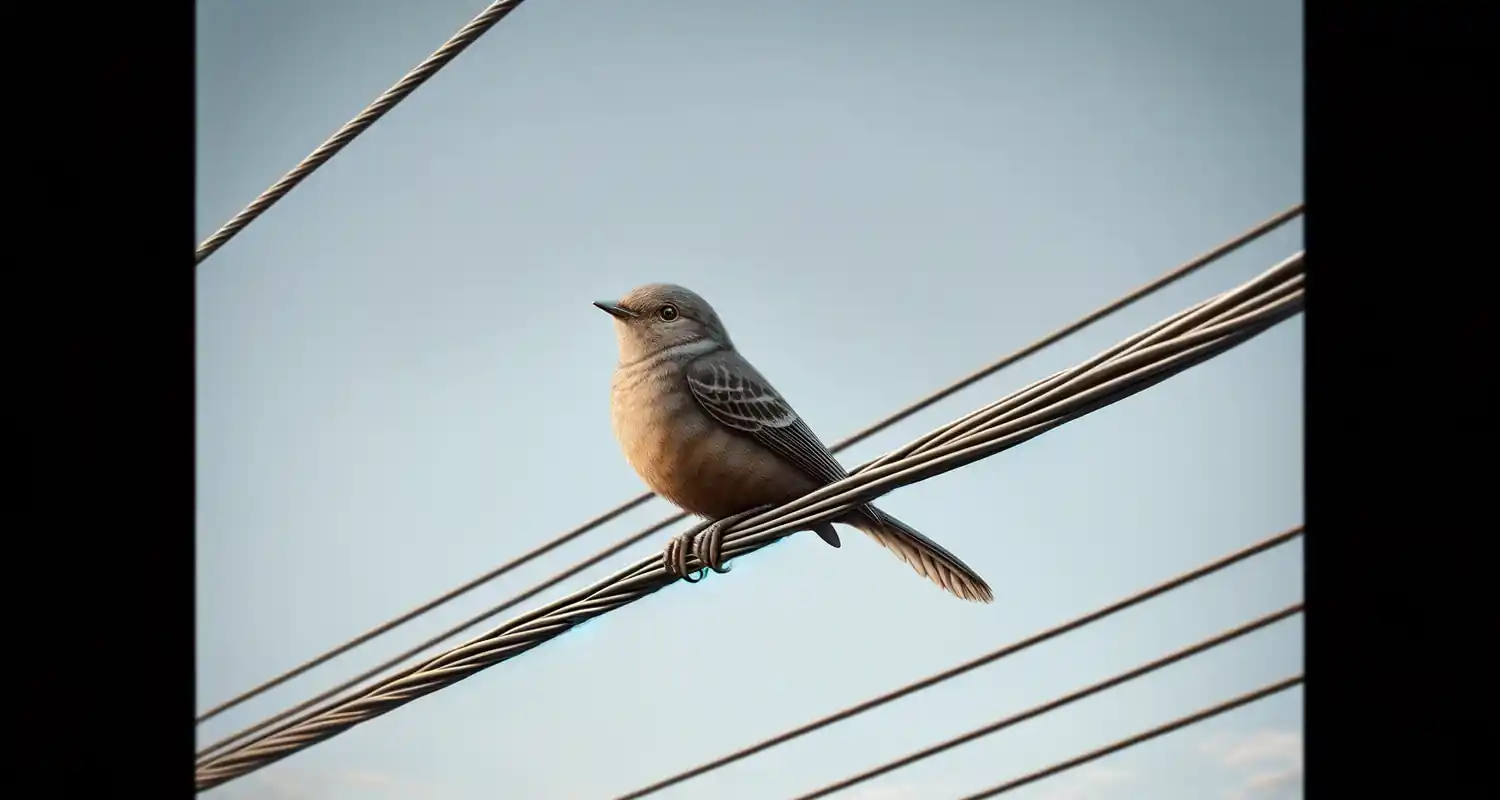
{"x": 688, "y": 457}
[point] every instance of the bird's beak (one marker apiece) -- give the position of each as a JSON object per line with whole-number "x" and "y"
{"x": 616, "y": 310}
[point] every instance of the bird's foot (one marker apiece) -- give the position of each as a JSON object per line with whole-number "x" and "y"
{"x": 706, "y": 543}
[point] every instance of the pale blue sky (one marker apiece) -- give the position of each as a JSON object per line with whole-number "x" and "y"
{"x": 401, "y": 382}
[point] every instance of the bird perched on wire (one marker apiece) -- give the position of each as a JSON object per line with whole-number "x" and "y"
{"x": 707, "y": 432}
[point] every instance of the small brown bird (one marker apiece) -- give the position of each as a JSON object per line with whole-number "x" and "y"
{"x": 707, "y": 432}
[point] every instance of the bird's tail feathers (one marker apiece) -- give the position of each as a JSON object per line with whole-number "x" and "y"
{"x": 925, "y": 556}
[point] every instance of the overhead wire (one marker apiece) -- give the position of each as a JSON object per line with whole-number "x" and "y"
{"x": 456, "y": 44}
{"x": 341, "y": 138}
{"x": 1145, "y": 736}
{"x": 1103, "y": 384}
{"x": 1008, "y": 650}
{"x": 408, "y": 616}
{"x": 1059, "y": 702}
{"x": 1161, "y": 282}
{"x": 1183, "y": 340}
{"x": 428, "y": 643}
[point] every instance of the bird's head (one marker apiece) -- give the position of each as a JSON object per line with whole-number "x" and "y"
{"x": 658, "y": 316}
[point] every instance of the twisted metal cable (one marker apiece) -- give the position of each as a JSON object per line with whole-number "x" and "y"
{"x": 1145, "y": 736}
{"x": 1056, "y": 703}
{"x": 1139, "y": 362}
{"x": 1029, "y": 642}
{"x": 1168, "y": 278}
{"x": 390, "y": 624}
{"x": 354, "y": 127}
{"x": 647, "y": 577}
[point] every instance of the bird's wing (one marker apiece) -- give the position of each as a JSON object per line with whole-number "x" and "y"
{"x": 732, "y": 392}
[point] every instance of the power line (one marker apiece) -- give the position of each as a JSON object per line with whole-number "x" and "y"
{"x": 440, "y": 637}
{"x": 1119, "y": 303}
{"x": 423, "y": 609}
{"x": 1053, "y": 705}
{"x": 354, "y": 127}
{"x": 972, "y": 664}
{"x": 1180, "y": 722}
{"x": 1141, "y": 361}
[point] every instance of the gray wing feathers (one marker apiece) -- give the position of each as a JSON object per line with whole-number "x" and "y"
{"x": 735, "y": 394}
{"x": 732, "y": 392}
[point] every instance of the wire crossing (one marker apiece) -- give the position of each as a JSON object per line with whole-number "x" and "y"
{"x": 1161, "y": 282}
{"x": 1141, "y": 361}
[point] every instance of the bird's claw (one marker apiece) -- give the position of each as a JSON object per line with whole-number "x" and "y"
{"x": 706, "y": 543}
{"x": 674, "y": 557}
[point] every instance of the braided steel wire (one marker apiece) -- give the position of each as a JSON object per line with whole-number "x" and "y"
{"x": 1145, "y": 736}
{"x": 1056, "y": 703}
{"x": 1141, "y": 361}
{"x": 456, "y": 44}
{"x": 1008, "y": 650}
{"x": 1166, "y": 279}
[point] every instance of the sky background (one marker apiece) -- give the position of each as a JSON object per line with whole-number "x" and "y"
{"x": 402, "y": 382}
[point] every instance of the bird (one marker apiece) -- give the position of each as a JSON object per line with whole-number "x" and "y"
{"x": 707, "y": 432}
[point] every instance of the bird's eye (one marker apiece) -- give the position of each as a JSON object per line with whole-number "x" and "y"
{"x": 668, "y": 312}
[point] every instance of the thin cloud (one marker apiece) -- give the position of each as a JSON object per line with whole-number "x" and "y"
{"x": 1266, "y": 746}
{"x": 1270, "y": 760}
{"x": 1283, "y": 785}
